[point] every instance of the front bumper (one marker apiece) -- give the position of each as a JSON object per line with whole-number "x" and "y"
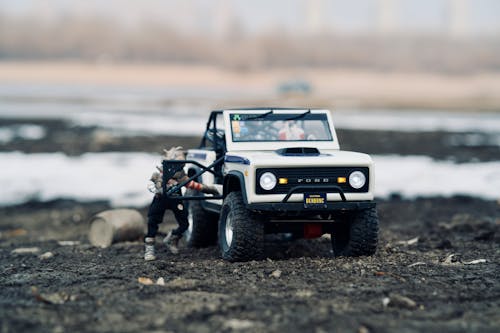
{"x": 294, "y": 208}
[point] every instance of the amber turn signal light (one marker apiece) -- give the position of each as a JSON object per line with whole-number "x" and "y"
{"x": 283, "y": 181}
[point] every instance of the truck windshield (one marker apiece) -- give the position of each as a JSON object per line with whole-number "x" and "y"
{"x": 279, "y": 127}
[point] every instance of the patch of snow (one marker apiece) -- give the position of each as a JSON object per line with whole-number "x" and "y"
{"x": 413, "y": 176}
{"x": 417, "y": 120}
{"x": 122, "y": 178}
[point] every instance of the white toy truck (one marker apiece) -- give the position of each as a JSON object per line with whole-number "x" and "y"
{"x": 278, "y": 170}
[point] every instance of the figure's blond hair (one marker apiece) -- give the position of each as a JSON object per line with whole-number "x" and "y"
{"x": 174, "y": 153}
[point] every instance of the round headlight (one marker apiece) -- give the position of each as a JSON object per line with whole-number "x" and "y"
{"x": 357, "y": 179}
{"x": 267, "y": 181}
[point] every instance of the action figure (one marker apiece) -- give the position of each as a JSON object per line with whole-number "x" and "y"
{"x": 161, "y": 203}
{"x": 291, "y": 132}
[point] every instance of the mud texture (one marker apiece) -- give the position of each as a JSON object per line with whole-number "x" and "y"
{"x": 437, "y": 269}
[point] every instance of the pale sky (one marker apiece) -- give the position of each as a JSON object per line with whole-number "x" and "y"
{"x": 482, "y": 16}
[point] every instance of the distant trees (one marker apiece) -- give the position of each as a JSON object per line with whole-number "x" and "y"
{"x": 100, "y": 39}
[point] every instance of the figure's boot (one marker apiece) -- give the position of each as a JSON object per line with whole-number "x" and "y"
{"x": 149, "y": 249}
{"x": 171, "y": 241}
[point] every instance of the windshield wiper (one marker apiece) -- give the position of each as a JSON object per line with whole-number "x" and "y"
{"x": 264, "y": 115}
{"x": 299, "y": 116}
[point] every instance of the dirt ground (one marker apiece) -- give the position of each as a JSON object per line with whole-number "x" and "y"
{"x": 436, "y": 269}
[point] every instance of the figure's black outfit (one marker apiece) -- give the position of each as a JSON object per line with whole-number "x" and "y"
{"x": 157, "y": 209}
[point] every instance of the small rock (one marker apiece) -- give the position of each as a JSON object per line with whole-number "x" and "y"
{"x": 475, "y": 262}
{"x": 276, "y": 274}
{"x": 68, "y": 243}
{"x": 26, "y": 250}
{"x": 408, "y": 242}
{"x": 448, "y": 259}
{"x": 46, "y": 255}
{"x": 399, "y": 301}
{"x": 145, "y": 281}
{"x": 363, "y": 329}
{"x": 451, "y": 259}
{"x": 54, "y": 298}
{"x": 239, "y": 324}
{"x": 160, "y": 281}
{"x": 304, "y": 293}
{"x": 419, "y": 263}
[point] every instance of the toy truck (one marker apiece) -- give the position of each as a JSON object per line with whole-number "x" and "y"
{"x": 278, "y": 170}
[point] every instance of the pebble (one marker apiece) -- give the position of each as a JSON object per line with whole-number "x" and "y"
{"x": 25, "y": 250}
{"x": 419, "y": 263}
{"x": 54, "y": 298}
{"x": 145, "y": 281}
{"x": 408, "y": 242}
{"x": 46, "y": 255}
{"x": 475, "y": 262}
{"x": 276, "y": 274}
{"x": 239, "y": 324}
{"x": 399, "y": 301}
{"x": 68, "y": 243}
{"x": 363, "y": 329}
{"x": 160, "y": 281}
{"x": 304, "y": 293}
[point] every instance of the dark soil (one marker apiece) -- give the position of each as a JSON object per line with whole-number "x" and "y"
{"x": 299, "y": 288}
{"x": 436, "y": 268}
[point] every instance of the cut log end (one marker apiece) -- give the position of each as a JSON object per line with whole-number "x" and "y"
{"x": 116, "y": 225}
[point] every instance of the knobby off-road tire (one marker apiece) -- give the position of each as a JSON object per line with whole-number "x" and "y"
{"x": 241, "y": 235}
{"x": 358, "y": 238}
{"x": 202, "y": 231}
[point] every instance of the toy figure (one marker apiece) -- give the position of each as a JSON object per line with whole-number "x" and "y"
{"x": 291, "y": 131}
{"x": 161, "y": 203}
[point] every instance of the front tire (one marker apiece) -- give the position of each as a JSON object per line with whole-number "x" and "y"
{"x": 358, "y": 238}
{"x": 241, "y": 235}
{"x": 202, "y": 230}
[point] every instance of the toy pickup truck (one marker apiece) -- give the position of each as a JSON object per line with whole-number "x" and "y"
{"x": 279, "y": 170}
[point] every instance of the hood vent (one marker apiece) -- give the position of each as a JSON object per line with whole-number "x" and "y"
{"x": 298, "y": 151}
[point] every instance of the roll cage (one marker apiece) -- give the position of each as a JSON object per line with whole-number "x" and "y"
{"x": 213, "y": 139}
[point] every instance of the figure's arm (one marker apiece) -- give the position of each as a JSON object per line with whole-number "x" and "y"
{"x": 199, "y": 187}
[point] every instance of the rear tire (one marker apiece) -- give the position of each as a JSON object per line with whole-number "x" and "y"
{"x": 241, "y": 235}
{"x": 358, "y": 238}
{"x": 202, "y": 230}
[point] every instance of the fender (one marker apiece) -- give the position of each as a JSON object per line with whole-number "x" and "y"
{"x": 233, "y": 181}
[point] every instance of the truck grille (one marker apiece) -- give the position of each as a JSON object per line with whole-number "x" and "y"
{"x": 312, "y": 176}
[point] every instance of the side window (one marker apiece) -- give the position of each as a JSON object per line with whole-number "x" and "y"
{"x": 215, "y": 135}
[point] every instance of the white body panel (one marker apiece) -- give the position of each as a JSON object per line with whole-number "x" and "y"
{"x": 332, "y": 158}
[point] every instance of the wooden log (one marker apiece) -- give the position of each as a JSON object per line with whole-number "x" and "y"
{"x": 116, "y": 225}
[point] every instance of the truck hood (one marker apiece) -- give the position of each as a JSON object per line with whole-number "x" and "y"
{"x": 274, "y": 159}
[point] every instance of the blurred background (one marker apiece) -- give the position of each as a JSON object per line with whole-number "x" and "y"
{"x": 83, "y": 80}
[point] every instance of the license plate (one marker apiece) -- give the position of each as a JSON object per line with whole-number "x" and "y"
{"x": 312, "y": 200}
